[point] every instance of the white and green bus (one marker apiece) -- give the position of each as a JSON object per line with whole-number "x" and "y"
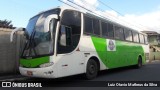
{"x": 62, "y": 42}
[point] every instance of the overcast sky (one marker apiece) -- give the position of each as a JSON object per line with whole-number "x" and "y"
{"x": 144, "y": 14}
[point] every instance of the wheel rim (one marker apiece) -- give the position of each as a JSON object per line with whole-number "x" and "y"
{"x": 92, "y": 69}
{"x": 140, "y": 63}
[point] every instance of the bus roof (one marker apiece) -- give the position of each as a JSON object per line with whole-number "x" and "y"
{"x": 92, "y": 15}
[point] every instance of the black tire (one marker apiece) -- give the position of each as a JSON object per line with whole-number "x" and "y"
{"x": 91, "y": 69}
{"x": 139, "y": 64}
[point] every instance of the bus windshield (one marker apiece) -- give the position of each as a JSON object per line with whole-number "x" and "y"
{"x": 40, "y": 43}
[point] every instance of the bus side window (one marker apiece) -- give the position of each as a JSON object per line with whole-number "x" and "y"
{"x": 96, "y": 27}
{"x": 62, "y": 36}
{"x": 65, "y": 39}
{"x": 104, "y": 29}
{"x": 146, "y": 39}
{"x": 65, "y": 36}
{"x": 128, "y": 35}
{"x": 69, "y": 32}
{"x": 88, "y": 27}
{"x": 141, "y": 37}
{"x": 135, "y": 37}
{"x": 107, "y": 30}
{"x": 110, "y": 31}
{"x": 119, "y": 34}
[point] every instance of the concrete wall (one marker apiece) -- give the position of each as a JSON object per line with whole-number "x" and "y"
{"x": 9, "y": 52}
{"x": 154, "y": 56}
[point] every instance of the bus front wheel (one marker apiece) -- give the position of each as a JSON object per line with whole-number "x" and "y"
{"x": 91, "y": 69}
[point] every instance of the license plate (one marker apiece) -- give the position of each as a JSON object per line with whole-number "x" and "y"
{"x": 29, "y": 73}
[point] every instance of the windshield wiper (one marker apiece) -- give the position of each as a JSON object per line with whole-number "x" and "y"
{"x": 30, "y": 45}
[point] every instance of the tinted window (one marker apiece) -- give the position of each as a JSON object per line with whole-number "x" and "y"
{"x": 107, "y": 30}
{"x": 69, "y": 33}
{"x": 88, "y": 25}
{"x": 141, "y": 37}
{"x": 128, "y": 35}
{"x": 96, "y": 27}
{"x": 110, "y": 31}
{"x": 146, "y": 39}
{"x": 135, "y": 37}
{"x": 71, "y": 18}
{"x": 65, "y": 36}
{"x": 104, "y": 29}
{"x": 119, "y": 33}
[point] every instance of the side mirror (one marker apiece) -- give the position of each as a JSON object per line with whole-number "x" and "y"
{"x": 15, "y": 30}
{"x": 47, "y": 21}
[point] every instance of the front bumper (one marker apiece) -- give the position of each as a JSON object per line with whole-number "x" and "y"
{"x": 46, "y": 72}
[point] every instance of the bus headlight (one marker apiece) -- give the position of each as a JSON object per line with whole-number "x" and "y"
{"x": 46, "y": 65}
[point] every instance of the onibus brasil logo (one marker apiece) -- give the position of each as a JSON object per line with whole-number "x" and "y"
{"x": 19, "y": 84}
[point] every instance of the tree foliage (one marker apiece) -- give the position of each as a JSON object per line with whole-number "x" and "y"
{"x": 6, "y": 24}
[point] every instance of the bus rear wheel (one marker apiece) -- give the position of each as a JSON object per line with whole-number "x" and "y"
{"x": 91, "y": 69}
{"x": 139, "y": 65}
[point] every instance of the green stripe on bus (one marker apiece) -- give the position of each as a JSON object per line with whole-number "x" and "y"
{"x": 32, "y": 63}
{"x": 126, "y": 53}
